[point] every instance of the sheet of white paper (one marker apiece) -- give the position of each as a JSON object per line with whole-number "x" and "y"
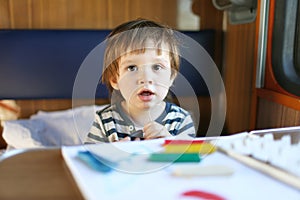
{"x": 245, "y": 183}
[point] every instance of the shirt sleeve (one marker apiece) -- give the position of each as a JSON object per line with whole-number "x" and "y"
{"x": 187, "y": 127}
{"x": 96, "y": 133}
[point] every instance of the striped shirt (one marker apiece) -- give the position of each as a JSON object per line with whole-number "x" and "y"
{"x": 112, "y": 123}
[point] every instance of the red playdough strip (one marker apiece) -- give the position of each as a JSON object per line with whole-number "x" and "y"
{"x": 183, "y": 142}
{"x": 202, "y": 195}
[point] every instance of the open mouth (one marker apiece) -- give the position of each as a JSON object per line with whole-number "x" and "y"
{"x": 146, "y": 93}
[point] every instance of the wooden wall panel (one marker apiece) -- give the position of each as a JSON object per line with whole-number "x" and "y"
{"x": 238, "y": 62}
{"x": 168, "y": 16}
{"x": 4, "y": 13}
{"x": 118, "y": 12}
{"x": 20, "y": 14}
{"x": 29, "y": 107}
{"x": 83, "y": 14}
{"x": 87, "y": 14}
{"x": 273, "y": 115}
{"x": 270, "y": 116}
{"x": 290, "y": 117}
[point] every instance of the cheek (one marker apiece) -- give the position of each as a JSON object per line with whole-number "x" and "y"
{"x": 127, "y": 86}
{"x": 162, "y": 91}
{"x": 164, "y": 79}
{"x": 128, "y": 79}
{"x": 164, "y": 84}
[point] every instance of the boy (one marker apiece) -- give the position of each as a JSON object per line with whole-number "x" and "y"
{"x": 141, "y": 62}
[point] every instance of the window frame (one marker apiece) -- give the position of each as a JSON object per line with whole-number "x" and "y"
{"x": 282, "y": 57}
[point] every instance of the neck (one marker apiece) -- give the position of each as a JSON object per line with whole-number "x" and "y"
{"x": 141, "y": 117}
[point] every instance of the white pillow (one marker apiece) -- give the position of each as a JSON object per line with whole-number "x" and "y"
{"x": 47, "y": 129}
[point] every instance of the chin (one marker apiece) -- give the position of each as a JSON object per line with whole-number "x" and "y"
{"x": 146, "y": 105}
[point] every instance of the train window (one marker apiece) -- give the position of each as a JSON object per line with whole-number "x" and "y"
{"x": 286, "y": 45}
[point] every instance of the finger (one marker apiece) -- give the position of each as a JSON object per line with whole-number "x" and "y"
{"x": 125, "y": 139}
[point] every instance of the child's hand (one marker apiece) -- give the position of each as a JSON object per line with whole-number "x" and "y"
{"x": 155, "y": 130}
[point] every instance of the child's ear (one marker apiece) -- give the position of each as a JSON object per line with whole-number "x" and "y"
{"x": 114, "y": 83}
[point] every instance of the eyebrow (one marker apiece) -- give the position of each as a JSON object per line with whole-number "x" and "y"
{"x": 156, "y": 60}
{"x": 126, "y": 62}
{"x": 163, "y": 60}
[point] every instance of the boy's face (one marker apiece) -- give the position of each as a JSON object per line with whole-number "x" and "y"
{"x": 144, "y": 78}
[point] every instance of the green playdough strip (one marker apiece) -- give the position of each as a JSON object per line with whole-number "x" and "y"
{"x": 175, "y": 157}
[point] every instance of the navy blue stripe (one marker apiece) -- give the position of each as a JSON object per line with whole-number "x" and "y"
{"x": 171, "y": 121}
{"x": 122, "y": 135}
{"x": 115, "y": 121}
{"x": 106, "y": 109}
{"x": 173, "y": 132}
{"x": 111, "y": 131}
{"x": 179, "y": 111}
{"x": 108, "y": 120}
{"x": 186, "y": 127}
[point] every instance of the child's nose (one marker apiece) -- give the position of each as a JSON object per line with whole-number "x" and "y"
{"x": 145, "y": 81}
{"x": 145, "y": 76}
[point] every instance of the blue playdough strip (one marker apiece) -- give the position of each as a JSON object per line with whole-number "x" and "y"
{"x": 96, "y": 162}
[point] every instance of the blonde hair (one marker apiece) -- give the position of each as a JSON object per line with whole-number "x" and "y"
{"x": 131, "y": 37}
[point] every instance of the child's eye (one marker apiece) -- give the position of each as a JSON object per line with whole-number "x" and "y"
{"x": 156, "y": 67}
{"x": 132, "y": 68}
